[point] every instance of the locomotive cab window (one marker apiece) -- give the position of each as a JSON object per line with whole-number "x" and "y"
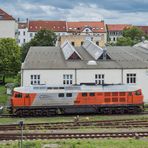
{"x": 61, "y": 94}
{"x": 137, "y": 93}
{"x": 69, "y": 95}
{"x": 92, "y": 94}
{"x": 84, "y": 94}
{"x": 18, "y": 95}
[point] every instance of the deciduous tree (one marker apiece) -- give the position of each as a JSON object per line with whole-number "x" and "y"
{"x": 41, "y": 38}
{"x": 9, "y": 56}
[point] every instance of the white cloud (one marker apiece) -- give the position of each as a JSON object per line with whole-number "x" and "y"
{"x": 79, "y": 12}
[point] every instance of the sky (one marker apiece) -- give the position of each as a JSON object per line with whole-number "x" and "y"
{"x": 111, "y": 11}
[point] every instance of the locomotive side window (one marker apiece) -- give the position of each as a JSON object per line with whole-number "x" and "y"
{"x": 91, "y": 94}
{"x": 107, "y": 94}
{"x": 114, "y": 99}
{"x": 106, "y": 99}
{"x": 122, "y": 93}
{"x": 18, "y": 95}
{"x": 69, "y": 95}
{"x": 84, "y": 94}
{"x": 61, "y": 94}
{"x": 114, "y": 93}
{"x": 122, "y": 99}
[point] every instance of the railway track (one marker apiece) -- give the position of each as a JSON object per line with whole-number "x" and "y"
{"x": 126, "y": 123}
{"x": 31, "y": 136}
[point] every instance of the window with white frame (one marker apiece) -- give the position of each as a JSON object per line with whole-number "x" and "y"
{"x": 31, "y": 34}
{"x": 99, "y": 78}
{"x": 67, "y": 79}
{"x": 131, "y": 78}
{"x": 35, "y": 79}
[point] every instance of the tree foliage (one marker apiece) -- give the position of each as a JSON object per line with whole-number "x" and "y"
{"x": 41, "y": 38}
{"x": 10, "y": 59}
{"x": 130, "y": 37}
{"x": 123, "y": 41}
{"x": 134, "y": 33}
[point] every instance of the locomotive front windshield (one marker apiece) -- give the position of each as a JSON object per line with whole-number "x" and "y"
{"x": 18, "y": 95}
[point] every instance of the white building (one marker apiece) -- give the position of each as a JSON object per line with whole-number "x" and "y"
{"x": 88, "y": 64}
{"x": 115, "y": 31}
{"x": 28, "y": 30}
{"x": 8, "y": 26}
{"x": 22, "y": 33}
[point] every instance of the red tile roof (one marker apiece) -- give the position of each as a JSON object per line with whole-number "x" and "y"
{"x": 143, "y": 28}
{"x": 80, "y": 26}
{"x": 57, "y": 26}
{"x": 117, "y": 27}
{"x": 22, "y": 25}
{"x": 5, "y": 16}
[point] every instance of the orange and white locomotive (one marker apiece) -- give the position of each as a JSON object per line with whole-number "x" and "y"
{"x": 76, "y": 99}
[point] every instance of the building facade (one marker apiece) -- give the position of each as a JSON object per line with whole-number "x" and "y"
{"x": 8, "y": 26}
{"x": 89, "y": 63}
{"x": 115, "y": 31}
{"x": 78, "y": 32}
{"x": 74, "y": 32}
{"x": 22, "y": 33}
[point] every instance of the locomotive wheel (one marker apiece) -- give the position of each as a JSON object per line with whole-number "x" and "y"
{"x": 107, "y": 111}
{"x": 32, "y": 113}
{"x": 119, "y": 111}
{"x": 44, "y": 112}
{"x": 19, "y": 113}
{"x": 131, "y": 110}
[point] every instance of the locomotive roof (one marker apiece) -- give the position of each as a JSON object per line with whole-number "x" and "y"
{"x": 77, "y": 88}
{"x": 125, "y": 57}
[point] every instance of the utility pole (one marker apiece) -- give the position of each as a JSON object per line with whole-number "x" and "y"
{"x": 21, "y": 126}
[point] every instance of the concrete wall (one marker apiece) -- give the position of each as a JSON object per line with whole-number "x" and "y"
{"x": 112, "y": 76}
{"x": 8, "y": 29}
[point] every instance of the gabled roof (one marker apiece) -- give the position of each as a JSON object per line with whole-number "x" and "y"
{"x": 98, "y": 27}
{"x": 117, "y": 27}
{"x": 69, "y": 51}
{"x": 5, "y": 16}
{"x": 41, "y": 58}
{"x": 22, "y": 25}
{"x": 94, "y": 50}
{"x": 57, "y": 26}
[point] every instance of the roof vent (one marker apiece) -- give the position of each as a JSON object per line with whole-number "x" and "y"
{"x": 91, "y": 62}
